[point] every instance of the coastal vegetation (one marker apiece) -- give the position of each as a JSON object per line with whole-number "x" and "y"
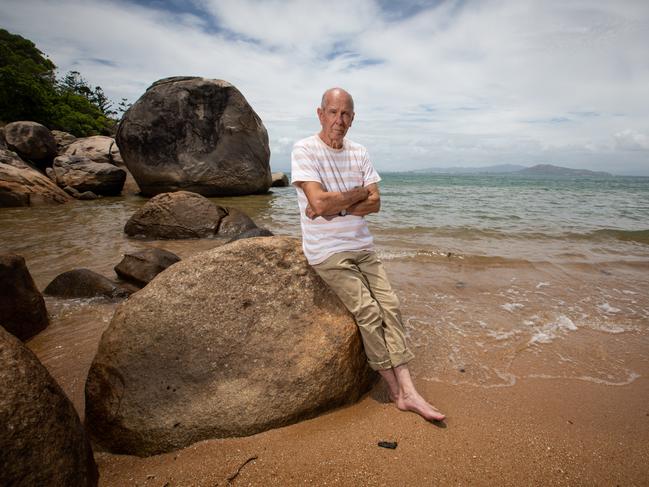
{"x": 31, "y": 90}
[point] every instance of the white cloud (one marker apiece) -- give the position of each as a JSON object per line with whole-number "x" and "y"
{"x": 632, "y": 140}
{"x": 462, "y": 83}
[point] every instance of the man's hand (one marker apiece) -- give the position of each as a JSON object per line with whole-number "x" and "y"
{"x": 371, "y": 204}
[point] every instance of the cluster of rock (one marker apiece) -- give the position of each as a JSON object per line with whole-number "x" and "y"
{"x": 84, "y": 168}
{"x": 186, "y": 215}
{"x": 184, "y": 133}
{"x": 230, "y": 342}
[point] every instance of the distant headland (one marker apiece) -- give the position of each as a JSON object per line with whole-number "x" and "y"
{"x": 538, "y": 170}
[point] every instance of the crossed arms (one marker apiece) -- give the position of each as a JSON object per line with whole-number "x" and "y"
{"x": 359, "y": 201}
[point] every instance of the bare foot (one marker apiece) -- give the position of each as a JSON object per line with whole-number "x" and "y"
{"x": 418, "y": 404}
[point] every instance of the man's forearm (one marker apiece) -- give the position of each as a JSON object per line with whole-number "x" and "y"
{"x": 365, "y": 207}
{"x": 332, "y": 203}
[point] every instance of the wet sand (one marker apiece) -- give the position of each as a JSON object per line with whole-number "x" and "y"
{"x": 528, "y": 402}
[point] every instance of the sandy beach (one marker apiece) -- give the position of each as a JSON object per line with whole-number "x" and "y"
{"x": 535, "y": 433}
{"x": 519, "y": 425}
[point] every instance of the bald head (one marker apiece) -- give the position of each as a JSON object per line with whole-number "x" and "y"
{"x": 336, "y": 113}
{"x": 334, "y": 93}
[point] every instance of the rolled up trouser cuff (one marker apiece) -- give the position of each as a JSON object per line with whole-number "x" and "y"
{"x": 395, "y": 360}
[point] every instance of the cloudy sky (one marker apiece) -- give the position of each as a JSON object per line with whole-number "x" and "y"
{"x": 436, "y": 83}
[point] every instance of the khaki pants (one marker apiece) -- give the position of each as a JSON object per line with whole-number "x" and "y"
{"x": 359, "y": 280}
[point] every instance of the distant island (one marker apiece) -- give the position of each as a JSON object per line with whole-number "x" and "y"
{"x": 538, "y": 170}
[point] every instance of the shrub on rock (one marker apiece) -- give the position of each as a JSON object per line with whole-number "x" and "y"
{"x": 229, "y": 342}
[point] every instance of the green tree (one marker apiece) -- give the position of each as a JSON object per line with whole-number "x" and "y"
{"x": 29, "y": 90}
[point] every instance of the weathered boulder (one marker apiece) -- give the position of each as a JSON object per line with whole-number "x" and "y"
{"x": 62, "y": 139}
{"x": 98, "y": 148}
{"x": 31, "y": 141}
{"x": 230, "y": 342}
{"x": 234, "y": 222}
{"x": 140, "y": 267}
{"x": 84, "y": 283}
{"x": 197, "y": 135}
{"x": 175, "y": 215}
{"x": 22, "y": 307}
{"x": 42, "y": 440}
{"x": 21, "y": 185}
{"x": 279, "y": 180}
{"x": 253, "y": 232}
{"x": 83, "y": 174}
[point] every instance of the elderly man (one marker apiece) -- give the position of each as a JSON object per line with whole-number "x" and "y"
{"x": 337, "y": 186}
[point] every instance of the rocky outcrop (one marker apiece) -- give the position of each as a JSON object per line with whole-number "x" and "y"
{"x": 42, "y": 441}
{"x": 279, "y": 180}
{"x": 84, "y": 283}
{"x": 31, "y": 141}
{"x": 229, "y": 342}
{"x": 21, "y": 185}
{"x": 253, "y": 232}
{"x": 140, "y": 267}
{"x": 98, "y": 148}
{"x": 22, "y": 307}
{"x": 62, "y": 139}
{"x": 195, "y": 134}
{"x": 83, "y": 174}
{"x": 185, "y": 215}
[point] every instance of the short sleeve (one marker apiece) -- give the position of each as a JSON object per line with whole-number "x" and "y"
{"x": 303, "y": 166}
{"x": 370, "y": 175}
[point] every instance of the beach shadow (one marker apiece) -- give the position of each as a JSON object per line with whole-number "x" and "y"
{"x": 439, "y": 424}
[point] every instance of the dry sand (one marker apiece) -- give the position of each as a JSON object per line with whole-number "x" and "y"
{"x": 538, "y": 432}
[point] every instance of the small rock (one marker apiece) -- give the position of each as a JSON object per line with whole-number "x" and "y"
{"x": 253, "y": 232}
{"x": 84, "y": 283}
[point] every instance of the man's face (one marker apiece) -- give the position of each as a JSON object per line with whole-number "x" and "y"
{"x": 336, "y": 118}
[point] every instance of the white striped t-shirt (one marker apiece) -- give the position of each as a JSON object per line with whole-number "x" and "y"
{"x": 337, "y": 170}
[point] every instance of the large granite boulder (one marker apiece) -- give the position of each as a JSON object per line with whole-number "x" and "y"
{"x": 182, "y": 215}
{"x": 21, "y": 185}
{"x": 83, "y": 174}
{"x": 84, "y": 283}
{"x": 195, "y": 134}
{"x": 230, "y": 342}
{"x": 42, "y": 440}
{"x": 140, "y": 267}
{"x": 31, "y": 141}
{"x": 98, "y": 148}
{"x": 22, "y": 307}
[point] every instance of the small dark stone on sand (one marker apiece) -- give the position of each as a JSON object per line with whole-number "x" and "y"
{"x": 462, "y": 369}
{"x": 388, "y": 444}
